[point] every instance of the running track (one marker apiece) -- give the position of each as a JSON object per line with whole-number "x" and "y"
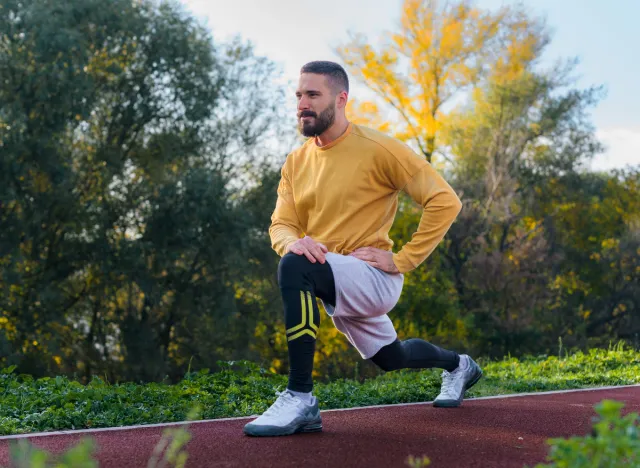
{"x": 485, "y": 432}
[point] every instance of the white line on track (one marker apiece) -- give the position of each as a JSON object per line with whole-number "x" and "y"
{"x": 180, "y": 423}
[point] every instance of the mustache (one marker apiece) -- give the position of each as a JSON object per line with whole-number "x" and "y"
{"x": 307, "y": 114}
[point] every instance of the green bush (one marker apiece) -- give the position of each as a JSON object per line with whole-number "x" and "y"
{"x": 244, "y": 389}
{"x": 614, "y": 442}
{"x": 25, "y": 455}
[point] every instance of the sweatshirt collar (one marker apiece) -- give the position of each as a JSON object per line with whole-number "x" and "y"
{"x": 341, "y": 138}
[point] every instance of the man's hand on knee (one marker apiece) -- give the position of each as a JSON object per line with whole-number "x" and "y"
{"x": 309, "y": 248}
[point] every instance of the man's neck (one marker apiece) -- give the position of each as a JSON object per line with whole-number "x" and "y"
{"x": 332, "y": 133}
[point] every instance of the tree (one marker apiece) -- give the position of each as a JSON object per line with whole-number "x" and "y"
{"x": 441, "y": 50}
{"x": 122, "y": 234}
{"x": 517, "y": 267}
{"x": 592, "y": 220}
{"x": 507, "y": 140}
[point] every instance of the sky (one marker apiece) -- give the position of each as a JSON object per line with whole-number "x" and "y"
{"x": 603, "y": 35}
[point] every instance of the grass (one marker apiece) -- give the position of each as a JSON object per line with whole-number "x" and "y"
{"x": 243, "y": 389}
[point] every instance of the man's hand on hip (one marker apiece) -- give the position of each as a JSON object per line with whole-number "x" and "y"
{"x": 309, "y": 248}
{"x": 378, "y": 258}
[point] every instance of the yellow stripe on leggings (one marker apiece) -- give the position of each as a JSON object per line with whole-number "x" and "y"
{"x": 310, "y": 309}
{"x": 304, "y": 316}
{"x": 303, "y": 332}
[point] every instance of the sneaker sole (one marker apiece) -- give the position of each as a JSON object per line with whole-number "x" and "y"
{"x": 477, "y": 375}
{"x": 275, "y": 431}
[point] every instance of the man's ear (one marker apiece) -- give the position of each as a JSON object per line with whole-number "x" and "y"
{"x": 341, "y": 99}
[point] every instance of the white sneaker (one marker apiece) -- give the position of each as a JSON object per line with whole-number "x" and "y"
{"x": 288, "y": 415}
{"x": 455, "y": 383}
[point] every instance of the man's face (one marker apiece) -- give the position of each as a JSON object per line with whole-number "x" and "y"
{"x": 316, "y": 104}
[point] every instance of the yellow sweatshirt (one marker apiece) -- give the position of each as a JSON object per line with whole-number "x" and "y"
{"x": 345, "y": 195}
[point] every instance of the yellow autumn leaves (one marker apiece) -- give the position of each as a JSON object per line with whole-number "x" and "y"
{"x": 440, "y": 51}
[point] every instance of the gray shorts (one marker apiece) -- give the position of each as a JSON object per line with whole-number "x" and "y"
{"x": 364, "y": 296}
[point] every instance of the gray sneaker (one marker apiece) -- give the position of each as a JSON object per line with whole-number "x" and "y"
{"x": 288, "y": 415}
{"x": 455, "y": 383}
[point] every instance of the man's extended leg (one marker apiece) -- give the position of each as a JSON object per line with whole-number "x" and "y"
{"x": 460, "y": 371}
{"x": 296, "y": 409}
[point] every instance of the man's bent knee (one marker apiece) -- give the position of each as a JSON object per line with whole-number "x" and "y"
{"x": 292, "y": 269}
{"x": 391, "y": 357}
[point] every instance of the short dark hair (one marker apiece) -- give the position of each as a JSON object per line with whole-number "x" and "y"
{"x": 336, "y": 75}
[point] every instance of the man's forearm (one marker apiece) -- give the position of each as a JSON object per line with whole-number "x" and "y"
{"x": 437, "y": 217}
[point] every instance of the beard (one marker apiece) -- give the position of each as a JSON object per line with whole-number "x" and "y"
{"x": 320, "y": 123}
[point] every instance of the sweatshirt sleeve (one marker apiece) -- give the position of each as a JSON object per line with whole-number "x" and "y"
{"x": 440, "y": 205}
{"x": 285, "y": 226}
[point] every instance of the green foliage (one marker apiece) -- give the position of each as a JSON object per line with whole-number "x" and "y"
{"x": 44, "y": 404}
{"x": 597, "y": 367}
{"x": 123, "y": 129}
{"x": 26, "y": 455}
{"x": 243, "y": 388}
{"x": 614, "y": 443}
{"x": 170, "y": 449}
{"x": 138, "y": 177}
{"x": 543, "y": 247}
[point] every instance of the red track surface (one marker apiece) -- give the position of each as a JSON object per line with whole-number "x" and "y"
{"x": 501, "y": 432}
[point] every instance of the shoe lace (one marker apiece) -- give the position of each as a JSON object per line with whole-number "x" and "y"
{"x": 284, "y": 399}
{"x": 448, "y": 381}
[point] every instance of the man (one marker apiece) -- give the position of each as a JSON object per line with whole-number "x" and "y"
{"x": 337, "y": 200}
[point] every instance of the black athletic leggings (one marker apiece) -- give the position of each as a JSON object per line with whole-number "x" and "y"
{"x": 300, "y": 283}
